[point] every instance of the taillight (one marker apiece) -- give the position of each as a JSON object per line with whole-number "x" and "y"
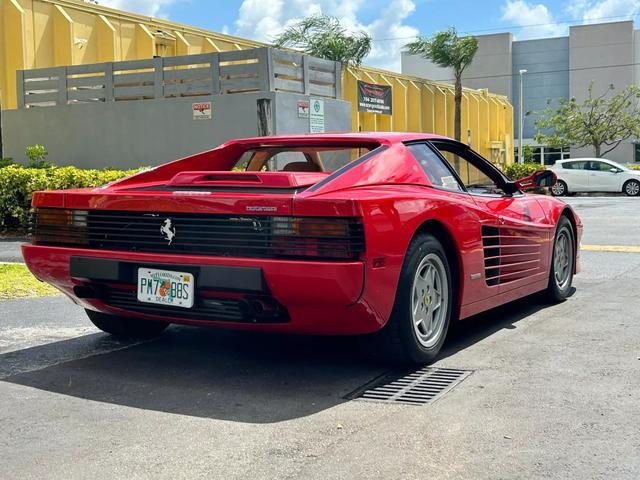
{"x": 338, "y": 238}
{"x": 61, "y": 226}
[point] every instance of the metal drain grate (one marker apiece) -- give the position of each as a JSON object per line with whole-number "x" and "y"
{"x": 419, "y": 387}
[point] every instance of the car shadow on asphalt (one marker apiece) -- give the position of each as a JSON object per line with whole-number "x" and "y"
{"x": 474, "y": 329}
{"x": 234, "y": 376}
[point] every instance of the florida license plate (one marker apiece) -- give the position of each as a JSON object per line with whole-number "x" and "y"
{"x": 164, "y": 287}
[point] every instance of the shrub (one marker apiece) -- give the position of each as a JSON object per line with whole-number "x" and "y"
{"x": 5, "y": 162}
{"x": 527, "y": 153}
{"x": 37, "y": 156}
{"x": 17, "y": 184}
{"x": 634, "y": 166}
{"x": 516, "y": 171}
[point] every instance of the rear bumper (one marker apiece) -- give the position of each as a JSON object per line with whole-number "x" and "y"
{"x": 319, "y": 297}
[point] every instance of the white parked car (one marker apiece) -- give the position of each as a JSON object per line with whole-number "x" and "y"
{"x": 594, "y": 175}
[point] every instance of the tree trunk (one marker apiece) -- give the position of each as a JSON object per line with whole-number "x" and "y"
{"x": 458, "y": 108}
{"x": 597, "y": 148}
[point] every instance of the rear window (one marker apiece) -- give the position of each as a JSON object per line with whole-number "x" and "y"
{"x": 299, "y": 159}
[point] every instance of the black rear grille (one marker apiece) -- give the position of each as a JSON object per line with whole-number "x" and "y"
{"x": 202, "y": 234}
{"x": 205, "y": 309}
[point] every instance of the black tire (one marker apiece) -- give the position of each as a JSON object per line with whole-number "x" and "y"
{"x": 559, "y": 286}
{"x": 559, "y": 189}
{"x": 631, "y": 188}
{"x": 126, "y": 326}
{"x": 398, "y": 341}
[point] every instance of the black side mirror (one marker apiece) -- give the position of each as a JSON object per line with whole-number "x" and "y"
{"x": 510, "y": 187}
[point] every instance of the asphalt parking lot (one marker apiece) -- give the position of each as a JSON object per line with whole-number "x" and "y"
{"x": 554, "y": 393}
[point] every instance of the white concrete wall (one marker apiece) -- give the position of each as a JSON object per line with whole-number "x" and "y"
{"x": 592, "y": 51}
{"x": 130, "y": 134}
{"x": 603, "y": 54}
{"x": 491, "y": 67}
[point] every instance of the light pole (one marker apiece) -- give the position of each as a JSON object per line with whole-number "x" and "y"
{"x": 521, "y": 115}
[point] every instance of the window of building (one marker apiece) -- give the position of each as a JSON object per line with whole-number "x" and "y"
{"x": 637, "y": 155}
{"x": 548, "y": 155}
{"x": 552, "y": 155}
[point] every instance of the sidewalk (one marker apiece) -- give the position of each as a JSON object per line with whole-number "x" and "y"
{"x": 10, "y": 249}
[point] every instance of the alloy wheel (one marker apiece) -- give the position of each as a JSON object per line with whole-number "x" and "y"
{"x": 558, "y": 189}
{"x": 429, "y": 300}
{"x": 632, "y": 188}
{"x": 562, "y": 260}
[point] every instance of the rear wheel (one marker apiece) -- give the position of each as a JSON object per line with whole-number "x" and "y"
{"x": 562, "y": 263}
{"x": 632, "y": 188}
{"x": 559, "y": 189}
{"x": 126, "y": 326}
{"x": 421, "y": 314}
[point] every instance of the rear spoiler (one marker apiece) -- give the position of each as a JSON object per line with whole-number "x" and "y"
{"x": 246, "y": 179}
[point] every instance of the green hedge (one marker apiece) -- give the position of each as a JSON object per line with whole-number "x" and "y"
{"x": 17, "y": 184}
{"x": 516, "y": 171}
{"x": 634, "y": 166}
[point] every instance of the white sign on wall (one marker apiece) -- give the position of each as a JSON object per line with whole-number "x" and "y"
{"x": 316, "y": 116}
{"x": 201, "y": 110}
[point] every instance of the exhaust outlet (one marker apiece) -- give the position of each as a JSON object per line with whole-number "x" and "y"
{"x": 263, "y": 308}
{"x": 87, "y": 291}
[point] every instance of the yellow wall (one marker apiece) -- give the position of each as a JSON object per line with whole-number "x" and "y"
{"x": 46, "y": 33}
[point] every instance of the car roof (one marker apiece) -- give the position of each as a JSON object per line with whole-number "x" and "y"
{"x": 349, "y": 137}
{"x": 584, "y": 159}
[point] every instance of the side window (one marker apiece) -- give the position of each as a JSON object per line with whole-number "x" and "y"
{"x": 439, "y": 174}
{"x": 474, "y": 179}
{"x": 575, "y": 165}
{"x": 604, "y": 167}
{"x": 593, "y": 166}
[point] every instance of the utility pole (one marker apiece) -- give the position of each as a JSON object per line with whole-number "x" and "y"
{"x": 520, "y": 159}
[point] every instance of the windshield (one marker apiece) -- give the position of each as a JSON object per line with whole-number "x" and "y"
{"x": 299, "y": 158}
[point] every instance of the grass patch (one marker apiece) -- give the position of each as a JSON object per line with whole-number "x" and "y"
{"x": 16, "y": 281}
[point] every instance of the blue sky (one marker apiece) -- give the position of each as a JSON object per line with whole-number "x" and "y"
{"x": 391, "y": 23}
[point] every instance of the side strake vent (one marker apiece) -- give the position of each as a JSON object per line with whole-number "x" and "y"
{"x": 509, "y": 254}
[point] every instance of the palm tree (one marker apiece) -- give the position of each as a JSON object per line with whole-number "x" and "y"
{"x": 446, "y": 49}
{"x": 323, "y": 36}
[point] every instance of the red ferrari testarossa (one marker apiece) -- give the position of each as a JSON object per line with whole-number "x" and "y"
{"x": 390, "y": 234}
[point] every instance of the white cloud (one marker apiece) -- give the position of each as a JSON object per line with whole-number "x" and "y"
{"x": 386, "y": 53}
{"x": 604, "y": 10}
{"x": 152, "y": 8}
{"x": 523, "y": 13}
{"x": 262, "y": 20}
{"x": 535, "y": 20}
